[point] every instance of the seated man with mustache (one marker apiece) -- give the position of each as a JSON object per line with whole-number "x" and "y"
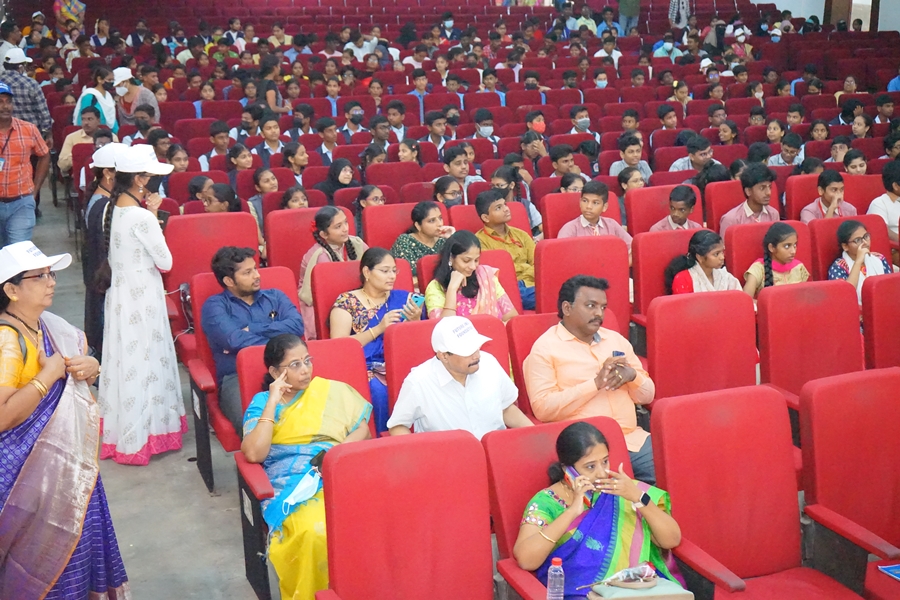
{"x": 578, "y": 369}
{"x": 459, "y": 388}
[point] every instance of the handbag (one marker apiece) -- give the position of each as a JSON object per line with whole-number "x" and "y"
{"x": 184, "y": 294}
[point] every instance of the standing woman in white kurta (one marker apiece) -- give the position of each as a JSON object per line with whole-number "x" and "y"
{"x": 140, "y": 391}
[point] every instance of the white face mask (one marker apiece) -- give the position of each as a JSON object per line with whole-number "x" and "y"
{"x": 741, "y": 39}
{"x": 602, "y": 84}
{"x": 758, "y": 94}
{"x": 486, "y": 130}
{"x": 306, "y": 489}
{"x": 121, "y": 91}
{"x": 667, "y": 46}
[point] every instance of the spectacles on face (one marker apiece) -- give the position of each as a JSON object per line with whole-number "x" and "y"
{"x": 387, "y": 270}
{"x": 861, "y": 239}
{"x": 375, "y": 200}
{"x": 295, "y": 365}
{"x": 43, "y": 277}
{"x": 453, "y": 195}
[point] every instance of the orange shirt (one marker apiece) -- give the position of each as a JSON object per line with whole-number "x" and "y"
{"x": 24, "y": 139}
{"x": 559, "y": 376}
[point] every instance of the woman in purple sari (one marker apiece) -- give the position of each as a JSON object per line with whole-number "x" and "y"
{"x": 56, "y": 534}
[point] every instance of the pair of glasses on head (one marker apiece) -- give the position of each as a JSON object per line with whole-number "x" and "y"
{"x": 861, "y": 239}
{"x": 43, "y": 277}
{"x": 296, "y": 365}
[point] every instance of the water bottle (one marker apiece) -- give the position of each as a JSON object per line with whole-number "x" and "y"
{"x": 556, "y": 581}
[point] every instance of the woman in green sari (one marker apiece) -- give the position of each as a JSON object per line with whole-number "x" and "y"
{"x": 597, "y": 520}
{"x": 285, "y": 428}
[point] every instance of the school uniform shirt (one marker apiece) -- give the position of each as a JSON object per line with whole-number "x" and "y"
{"x": 265, "y": 153}
{"x": 595, "y": 135}
{"x": 325, "y": 153}
{"x": 742, "y": 214}
{"x": 348, "y": 133}
{"x": 130, "y": 139}
{"x": 499, "y": 93}
{"x": 619, "y": 166}
{"x": 400, "y": 132}
{"x": 816, "y": 210}
{"x": 295, "y": 133}
{"x": 440, "y": 145}
{"x": 616, "y": 55}
{"x": 668, "y": 224}
{"x": 520, "y": 246}
{"x": 684, "y": 164}
{"x": 204, "y": 159}
{"x": 580, "y": 227}
{"x": 431, "y": 399}
{"x": 778, "y": 160}
{"x": 361, "y": 52}
{"x": 239, "y": 135}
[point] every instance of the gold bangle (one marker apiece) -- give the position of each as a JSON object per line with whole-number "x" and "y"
{"x": 265, "y": 420}
{"x": 543, "y": 535}
{"x": 39, "y": 386}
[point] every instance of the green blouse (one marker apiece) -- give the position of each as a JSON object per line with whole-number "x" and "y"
{"x": 410, "y": 249}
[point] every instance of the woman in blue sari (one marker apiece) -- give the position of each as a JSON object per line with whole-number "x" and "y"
{"x": 365, "y": 313}
{"x": 56, "y": 533}
{"x": 595, "y": 518}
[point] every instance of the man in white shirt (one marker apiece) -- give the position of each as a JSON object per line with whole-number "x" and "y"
{"x": 887, "y": 206}
{"x": 361, "y": 45}
{"x": 609, "y": 49}
{"x": 459, "y": 388}
{"x": 699, "y": 154}
{"x": 885, "y": 106}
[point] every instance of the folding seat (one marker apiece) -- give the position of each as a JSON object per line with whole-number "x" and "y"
{"x": 875, "y": 167}
{"x": 408, "y": 344}
{"x": 555, "y": 261}
{"x": 860, "y": 190}
{"x": 464, "y": 216}
{"x": 519, "y": 97}
{"x": 696, "y": 122}
{"x": 664, "y": 157}
{"x": 540, "y": 187}
{"x": 616, "y": 110}
{"x": 642, "y": 95}
{"x": 664, "y": 138}
{"x": 669, "y": 178}
{"x": 870, "y": 147}
{"x": 384, "y": 224}
{"x": 517, "y": 461}
{"x": 193, "y": 240}
{"x": 601, "y": 97}
{"x": 743, "y": 246}
{"x": 557, "y": 209}
{"x": 331, "y": 279}
{"x": 288, "y": 237}
{"x": 830, "y": 412}
{"x": 747, "y": 432}
{"x": 395, "y": 175}
{"x": 721, "y": 197}
{"x": 431, "y": 171}
{"x": 202, "y": 368}
{"x": 222, "y": 110}
{"x": 187, "y": 129}
{"x": 826, "y": 249}
{"x": 881, "y": 321}
{"x": 513, "y": 130}
{"x": 811, "y": 103}
{"x": 572, "y": 139}
{"x": 340, "y": 360}
{"x": 818, "y": 149}
{"x": 646, "y": 206}
{"x": 728, "y": 154}
{"x": 564, "y": 96}
{"x": 170, "y": 112}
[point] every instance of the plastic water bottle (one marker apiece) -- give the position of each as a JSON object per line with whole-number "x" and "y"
{"x": 556, "y": 581}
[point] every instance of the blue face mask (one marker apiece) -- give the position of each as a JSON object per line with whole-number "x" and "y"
{"x": 775, "y": 40}
{"x": 602, "y": 84}
{"x": 764, "y": 27}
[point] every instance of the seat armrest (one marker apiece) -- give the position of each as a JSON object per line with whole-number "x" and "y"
{"x": 255, "y": 477}
{"x": 201, "y": 376}
{"x": 793, "y": 400}
{"x": 853, "y": 532}
{"x": 327, "y": 595}
{"x": 523, "y": 582}
{"x": 171, "y": 308}
{"x": 708, "y": 567}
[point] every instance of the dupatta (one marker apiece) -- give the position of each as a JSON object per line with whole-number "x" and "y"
{"x": 54, "y": 451}
{"x": 722, "y": 280}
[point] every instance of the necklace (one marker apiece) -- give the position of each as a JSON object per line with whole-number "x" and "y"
{"x": 33, "y": 333}
{"x": 371, "y": 301}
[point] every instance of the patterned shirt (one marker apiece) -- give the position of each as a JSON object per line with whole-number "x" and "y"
{"x": 16, "y": 177}
{"x": 29, "y": 102}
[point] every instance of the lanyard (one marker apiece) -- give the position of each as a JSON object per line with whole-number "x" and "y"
{"x": 9, "y": 137}
{"x": 512, "y": 240}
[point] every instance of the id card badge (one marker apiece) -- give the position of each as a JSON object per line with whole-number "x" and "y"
{"x": 2, "y": 164}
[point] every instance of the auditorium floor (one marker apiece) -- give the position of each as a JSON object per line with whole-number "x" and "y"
{"x": 177, "y": 540}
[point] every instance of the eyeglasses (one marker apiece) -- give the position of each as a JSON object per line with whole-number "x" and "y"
{"x": 43, "y": 277}
{"x": 861, "y": 239}
{"x": 375, "y": 200}
{"x": 453, "y": 196}
{"x": 295, "y": 365}
{"x": 387, "y": 271}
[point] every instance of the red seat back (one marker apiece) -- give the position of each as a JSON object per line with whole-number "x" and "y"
{"x": 797, "y": 344}
{"x": 860, "y": 190}
{"x": 288, "y": 236}
{"x": 555, "y": 261}
{"x": 651, "y": 253}
{"x": 825, "y": 247}
{"x": 417, "y": 192}
{"x": 799, "y": 191}
{"x": 384, "y": 224}
{"x": 743, "y": 246}
{"x": 517, "y": 469}
{"x": 647, "y": 206}
{"x": 882, "y": 320}
{"x": 177, "y": 186}
{"x": 420, "y": 469}
{"x": 465, "y": 216}
{"x": 331, "y": 279}
{"x": 748, "y": 431}
{"x": 557, "y": 209}
{"x": 664, "y": 157}
{"x": 686, "y": 325}
{"x": 395, "y": 175}
{"x": 834, "y": 410}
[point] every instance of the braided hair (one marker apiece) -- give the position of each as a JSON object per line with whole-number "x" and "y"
{"x": 103, "y": 276}
{"x": 701, "y": 244}
{"x": 776, "y": 234}
{"x": 323, "y": 220}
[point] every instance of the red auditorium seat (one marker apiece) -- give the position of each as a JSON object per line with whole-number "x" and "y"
{"x": 557, "y": 210}
{"x": 202, "y": 369}
{"x": 417, "y": 192}
{"x": 881, "y": 320}
{"x": 517, "y": 465}
{"x": 664, "y": 157}
{"x": 331, "y": 279}
{"x": 545, "y": 165}
{"x": 288, "y": 236}
{"x": 668, "y": 178}
{"x": 499, "y": 259}
{"x": 188, "y": 129}
{"x": 555, "y": 261}
{"x": 747, "y": 431}
{"x": 799, "y": 191}
{"x": 170, "y": 112}
{"x": 860, "y": 190}
{"x": 384, "y": 224}
{"x": 541, "y": 187}
{"x": 830, "y": 415}
{"x": 454, "y": 550}
{"x": 722, "y": 196}
{"x": 645, "y": 207}
{"x": 341, "y": 360}
{"x": 465, "y": 216}
{"x": 177, "y": 186}
{"x": 395, "y": 175}
{"x": 743, "y": 246}
{"x": 823, "y": 233}
{"x": 728, "y": 154}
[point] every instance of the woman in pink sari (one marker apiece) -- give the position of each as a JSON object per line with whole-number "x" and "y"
{"x": 56, "y": 536}
{"x": 463, "y": 287}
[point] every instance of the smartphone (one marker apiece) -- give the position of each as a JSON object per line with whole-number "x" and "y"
{"x": 163, "y": 216}
{"x": 617, "y": 353}
{"x": 418, "y": 300}
{"x": 569, "y": 476}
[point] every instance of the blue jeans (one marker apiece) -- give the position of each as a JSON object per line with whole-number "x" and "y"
{"x": 16, "y": 220}
{"x": 642, "y": 463}
{"x": 626, "y": 23}
{"x": 527, "y": 294}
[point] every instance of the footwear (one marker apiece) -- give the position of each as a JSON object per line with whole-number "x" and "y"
{"x": 37, "y": 213}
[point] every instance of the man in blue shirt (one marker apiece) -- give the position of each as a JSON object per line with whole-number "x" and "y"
{"x": 420, "y": 80}
{"x": 894, "y": 84}
{"x": 242, "y": 315}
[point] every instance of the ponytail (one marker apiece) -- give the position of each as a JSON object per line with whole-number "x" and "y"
{"x": 701, "y": 244}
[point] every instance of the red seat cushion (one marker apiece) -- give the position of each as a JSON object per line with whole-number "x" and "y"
{"x": 794, "y": 584}
{"x": 878, "y": 585}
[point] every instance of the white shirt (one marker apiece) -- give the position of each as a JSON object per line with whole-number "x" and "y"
{"x": 409, "y": 60}
{"x": 616, "y": 55}
{"x": 360, "y": 53}
{"x": 887, "y": 209}
{"x": 431, "y": 400}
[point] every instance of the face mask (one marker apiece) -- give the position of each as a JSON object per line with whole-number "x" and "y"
{"x": 121, "y": 91}
{"x": 531, "y": 86}
{"x": 758, "y": 94}
{"x": 299, "y": 122}
{"x": 486, "y": 130}
{"x": 667, "y": 46}
{"x": 583, "y": 124}
{"x": 764, "y": 27}
{"x": 448, "y": 202}
{"x": 356, "y": 119}
{"x": 539, "y": 126}
{"x": 306, "y": 489}
{"x": 741, "y": 39}
{"x": 143, "y": 125}
{"x": 246, "y": 126}
{"x": 448, "y": 24}
{"x": 775, "y": 40}
{"x": 453, "y": 120}
{"x": 109, "y": 86}
{"x": 602, "y": 84}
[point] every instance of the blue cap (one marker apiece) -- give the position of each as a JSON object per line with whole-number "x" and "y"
{"x": 4, "y": 89}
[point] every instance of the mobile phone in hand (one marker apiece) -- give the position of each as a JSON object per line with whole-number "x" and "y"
{"x": 163, "y": 216}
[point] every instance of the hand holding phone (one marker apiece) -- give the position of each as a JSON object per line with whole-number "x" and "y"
{"x": 413, "y": 306}
{"x": 581, "y": 486}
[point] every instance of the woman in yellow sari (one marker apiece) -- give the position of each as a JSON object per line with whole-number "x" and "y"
{"x": 286, "y": 429}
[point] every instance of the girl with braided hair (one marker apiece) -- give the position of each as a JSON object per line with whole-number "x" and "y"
{"x": 702, "y": 269}
{"x": 333, "y": 243}
{"x": 779, "y": 265}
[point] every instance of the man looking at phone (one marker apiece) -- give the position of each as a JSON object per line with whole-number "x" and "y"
{"x": 242, "y": 315}
{"x": 460, "y": 387}
{"x": 563, "y": 379}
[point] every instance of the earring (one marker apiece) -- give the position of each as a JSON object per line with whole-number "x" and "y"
{"x": 14, "y": 298}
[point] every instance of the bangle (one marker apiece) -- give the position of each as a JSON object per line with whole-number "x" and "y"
{"x": 543, "y": 535}
{"x": 39, "y": 386}
{"x": 266, "y": 420}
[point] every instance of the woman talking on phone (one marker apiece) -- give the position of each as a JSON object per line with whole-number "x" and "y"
{"x": 366, "y": 313}
{"x": 586, "y": 517}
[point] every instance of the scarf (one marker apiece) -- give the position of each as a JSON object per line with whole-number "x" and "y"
{"x": 332, "y": 183}
{"x": 105, "y": 103}
{"x": 871, "y": 267}
{"x": 722, "y": 280}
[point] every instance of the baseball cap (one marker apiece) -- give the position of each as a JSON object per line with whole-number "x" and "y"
{"x": 37, "y": 13}
{"x": 105, "y": 157}
{"x": 121, "y": 74}
{"x": 705, "y": 64}
{"x": 25, "y": 256}
{"x": 4, "y": 89}
{"x": 140, "y": 159}
{"x": 15, "y": 56}
{"x": 456, "y": 335}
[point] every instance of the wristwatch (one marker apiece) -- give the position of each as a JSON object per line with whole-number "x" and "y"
{"x": 644, "y": 501}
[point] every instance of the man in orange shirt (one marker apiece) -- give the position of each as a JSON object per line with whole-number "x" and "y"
{"x": 578, "y": 369}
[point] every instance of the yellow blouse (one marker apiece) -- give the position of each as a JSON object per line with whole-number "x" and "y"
{"x": 14, "y": 372}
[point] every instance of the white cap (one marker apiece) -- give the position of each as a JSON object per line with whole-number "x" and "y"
{"x": 705, "y": 64}
{"x": 15, "y": 56}
{"x": 775, "y": 32}
{"x": 25, "y": 256}
{"x": 105, "y": 156}
{"x": 140, "y": 159}
{"x": 37, "y": 13}
{"x": 456, "y": 335}
{"x": 121, "y": 74}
